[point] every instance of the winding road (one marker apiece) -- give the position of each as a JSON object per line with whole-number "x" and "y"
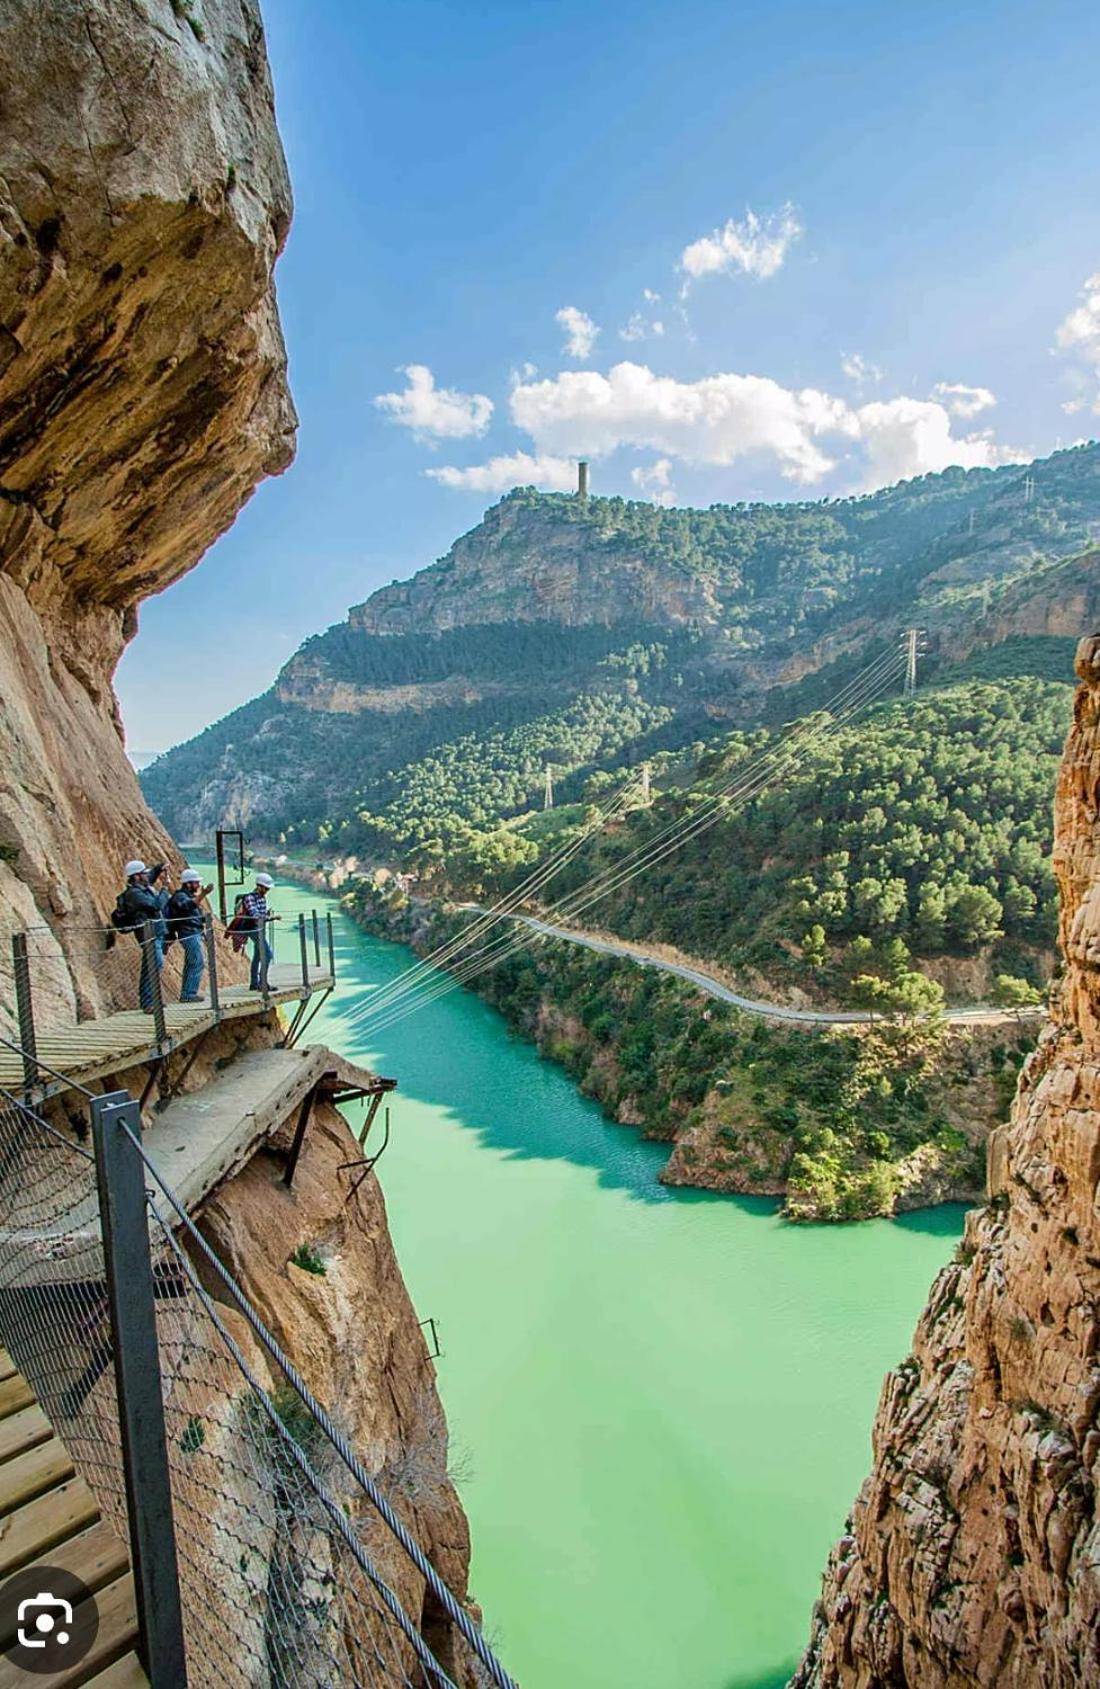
{"x": 979, "y": 1016}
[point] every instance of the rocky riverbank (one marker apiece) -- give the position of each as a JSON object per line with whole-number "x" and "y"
{"x": 842, "y": 1123}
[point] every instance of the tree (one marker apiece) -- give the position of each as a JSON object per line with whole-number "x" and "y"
{"x": 973, "y": 915}
{"x": 813, "y": 946}
{"x": 905, "y": 997}
{"x": 1015, "y": 994}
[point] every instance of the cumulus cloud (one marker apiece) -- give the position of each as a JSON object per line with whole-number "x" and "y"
{"x": 756, "y": 246}
{"x": 723, "y": 418}
{"x": 906, "y": 437}
{"x": 654, "y": 481}
{"x": 962, "y": 400}
{"x": 519, "y": 469}
{"x": 1079, "y": 336}
{"x": 715, "y": 420}
{"x": 580, "y": 332}
{"x": 435, "y": 412}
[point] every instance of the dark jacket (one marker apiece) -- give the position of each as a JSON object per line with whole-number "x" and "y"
{"x": 139, "y": 904}
{"x": 182, "y": 914}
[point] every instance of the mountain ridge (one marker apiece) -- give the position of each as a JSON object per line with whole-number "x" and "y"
{"x": 661, "y": 623}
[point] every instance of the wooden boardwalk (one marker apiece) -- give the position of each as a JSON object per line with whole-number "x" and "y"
{"x": 49, "y": 1517}
{"x": 88, "y": 1050}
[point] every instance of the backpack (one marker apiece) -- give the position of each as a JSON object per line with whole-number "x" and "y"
{"x": 121, "y": 918}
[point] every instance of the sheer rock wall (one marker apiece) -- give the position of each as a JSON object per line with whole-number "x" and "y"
{"x": 143, "y": 201}
{"x": 973, "y": 1553}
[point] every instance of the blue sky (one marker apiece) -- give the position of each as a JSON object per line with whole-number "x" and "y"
{"x": 870, "y": 229}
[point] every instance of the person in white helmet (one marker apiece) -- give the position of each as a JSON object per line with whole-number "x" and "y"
{"x": 254, "y": 915}
{"x": 139, "y": 903}
{"x": 184, "y": 917}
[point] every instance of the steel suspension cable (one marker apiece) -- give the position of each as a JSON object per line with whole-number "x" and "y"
{"x": 746, "y": 782}
{"x": 866, "y": 689}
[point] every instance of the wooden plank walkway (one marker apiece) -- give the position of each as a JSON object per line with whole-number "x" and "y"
{"x": 92, "y": 1049}
{"x": 49, "y": 1517}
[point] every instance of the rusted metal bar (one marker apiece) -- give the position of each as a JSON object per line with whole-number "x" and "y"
{"x": 299, "y": 1135}
{"x": 24, "y": 1002}
{"x": 211, "y": 963}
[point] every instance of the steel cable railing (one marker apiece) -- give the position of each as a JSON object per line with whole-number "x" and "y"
{"x": 277, "y": 1584}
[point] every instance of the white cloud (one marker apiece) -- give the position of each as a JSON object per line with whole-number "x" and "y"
{"x": 907, "y": 437}
{"x": 1079, "y": 335}
{"x": 500, "y": 474}
{"x": 858, "y": 369}
{"x": 715, "y": 420}
{"x": 756, "y": 245}
{"x": 436, "y": 412}
{"x": 650, "y": 297}
{"x": 723, "y": 418}
{"x": 580, "y": 332}
{"x": 962, "y": 400}
{"x": 655, "y": 482}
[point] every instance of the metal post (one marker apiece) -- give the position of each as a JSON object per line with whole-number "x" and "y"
{"x": 331, "y": 946}
{"x": 24, "y": 1002}
{"x": 305, "y": 952}
{"x": 152, "y": 973}
{"x": 128, "y": 1266}
{"x": 316, "y": 938}
{"x": 219, "y": 851}
{"x": 211, "y": 962}
{"x": 299, "y": 1135}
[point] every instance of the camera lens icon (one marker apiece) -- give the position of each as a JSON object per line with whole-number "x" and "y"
{"x": 49, "y": 1620}
{"x": 44, "y": 1618}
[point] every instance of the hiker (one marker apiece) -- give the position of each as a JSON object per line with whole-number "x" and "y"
{"x": 184, "y": 918}
{"x": 252, "y": 918}
{"x": 136, "y": 905}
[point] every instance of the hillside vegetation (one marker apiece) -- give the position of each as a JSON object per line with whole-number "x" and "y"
{"x": 587, "y": 635}
{"x": 918, "y": 834}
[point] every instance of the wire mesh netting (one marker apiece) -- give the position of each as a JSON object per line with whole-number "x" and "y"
{"x": 54, "y": 1316}
{"x": 288, "y": 1577}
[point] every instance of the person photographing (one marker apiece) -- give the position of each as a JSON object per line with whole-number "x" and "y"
{"x": 184, "y": 917}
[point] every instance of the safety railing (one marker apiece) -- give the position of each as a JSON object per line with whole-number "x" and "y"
{"x": 263, "y": 1550}
{"x": 137, "y": 967}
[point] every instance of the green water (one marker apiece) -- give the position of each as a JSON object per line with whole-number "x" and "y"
{"x": 666, "y": 1397}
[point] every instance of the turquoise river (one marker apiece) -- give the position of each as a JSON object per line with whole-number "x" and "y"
{"x": 664, "y": 1398}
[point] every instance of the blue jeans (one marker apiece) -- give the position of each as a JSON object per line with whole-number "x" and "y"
{"x": 150, "y": 960}
{"x": 194, "y": 961}
{"x": 259, "y": 947}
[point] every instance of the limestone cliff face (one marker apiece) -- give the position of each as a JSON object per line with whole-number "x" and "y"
{"x": 143, "y": 202}
{"x": 538, "y": 562}
{"x": 973, "y": 1552}
{"x": 354, "y": 1336}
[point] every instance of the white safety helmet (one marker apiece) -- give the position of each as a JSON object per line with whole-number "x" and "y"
{"x": 190, "y": 877}
{"x": 135, "y": 867}
{"x": 264, "y": 880}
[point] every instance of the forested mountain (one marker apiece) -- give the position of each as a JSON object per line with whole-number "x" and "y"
{"x": 586, "y": 635}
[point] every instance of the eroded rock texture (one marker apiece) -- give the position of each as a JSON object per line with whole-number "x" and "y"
{"x": 143, "y": 201}
{"x": 973, "y": 1552}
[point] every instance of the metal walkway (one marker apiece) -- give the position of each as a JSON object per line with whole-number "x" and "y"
{"x": 88, "y": 1050}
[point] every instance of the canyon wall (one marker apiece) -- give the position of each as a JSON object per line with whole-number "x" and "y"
{"x": 972, "y": 1556}
{"x": 144, "y": 199}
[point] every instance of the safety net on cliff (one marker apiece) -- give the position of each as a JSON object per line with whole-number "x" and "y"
{"x": 292, "y": 1563}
